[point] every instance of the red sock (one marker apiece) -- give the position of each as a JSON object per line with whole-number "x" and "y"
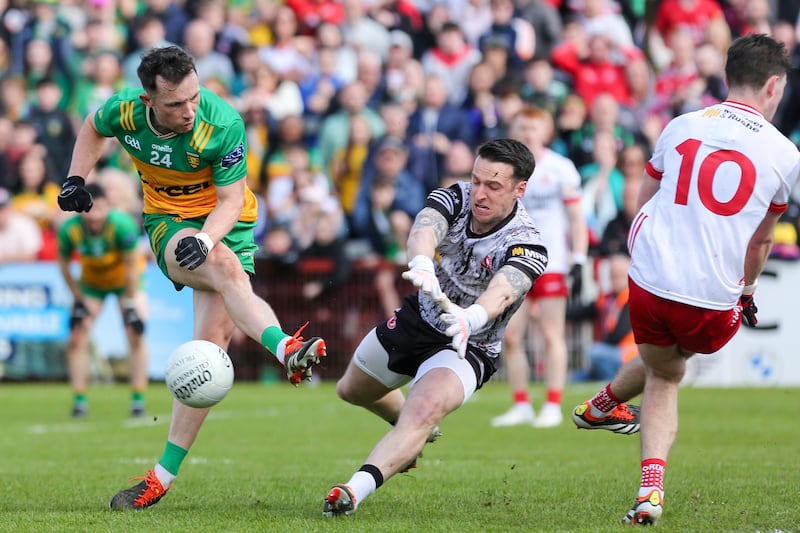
{"x": 521, "y": 396}
{"x": 652, "y": 476}
{"x": 554, "y": 396}
{"x": 605, "y": 400}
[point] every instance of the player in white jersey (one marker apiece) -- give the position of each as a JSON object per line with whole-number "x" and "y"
{"x": 553, "y": 201}
{"x": 489, "y": 254}
{"x": 717, "y": 183}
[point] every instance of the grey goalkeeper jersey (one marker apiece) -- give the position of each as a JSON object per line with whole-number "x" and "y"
{"x": 468, "y": 261}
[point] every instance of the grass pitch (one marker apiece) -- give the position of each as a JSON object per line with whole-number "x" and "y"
{"x": 267, "y": 455}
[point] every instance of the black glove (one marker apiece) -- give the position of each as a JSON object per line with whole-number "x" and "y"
{"x": 131, "y": 318}
{"x": 78, "y": 313}
{"x": 74, "y": 196}
{"x": 575, "y": 281}
{"x": 749, "y": 310}
{"x": 191, "y": 252}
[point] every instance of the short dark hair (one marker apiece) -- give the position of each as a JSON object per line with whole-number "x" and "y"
{"x": 172, "y": 63}
{"x": 96, "y": 190}
{"x": 754, "y": 59}
{"x": 512, "y": 152}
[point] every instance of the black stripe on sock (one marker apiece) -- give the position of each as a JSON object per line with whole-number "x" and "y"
{"x": 374, "y": 472}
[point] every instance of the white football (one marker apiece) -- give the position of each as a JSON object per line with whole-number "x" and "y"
{"x": 199, "y": 373}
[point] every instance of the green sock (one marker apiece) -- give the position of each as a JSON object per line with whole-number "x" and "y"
{"x": 80, "y": 398}
{"x": 137, "y": 396}
{"x": 271, "y": 337}
{"x": 172, "y": 458}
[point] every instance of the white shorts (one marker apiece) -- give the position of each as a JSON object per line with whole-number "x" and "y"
{"x": 373, "y": 359}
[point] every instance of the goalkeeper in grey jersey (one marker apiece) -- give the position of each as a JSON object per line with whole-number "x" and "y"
{"x": 475, "y": 254}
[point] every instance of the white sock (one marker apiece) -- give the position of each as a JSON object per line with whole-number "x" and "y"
{"x": 280, "y": 350}
{"x": 363, "y": 484}
{"x": 163, "y": 476}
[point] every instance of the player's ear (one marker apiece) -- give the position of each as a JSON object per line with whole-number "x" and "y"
{"x": 145, "y": 98}
{"x": 521, "y": 187}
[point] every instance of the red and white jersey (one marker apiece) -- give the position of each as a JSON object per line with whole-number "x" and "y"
{"x": 721, "y": 169}
{"x": 555, "y": 182}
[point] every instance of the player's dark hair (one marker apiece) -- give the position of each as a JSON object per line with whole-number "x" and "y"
{"x": 512, "y": 152}
{"x": 172, "y": 63}
{"x": 95, "y": 190}
{"x": 754, "y": 59}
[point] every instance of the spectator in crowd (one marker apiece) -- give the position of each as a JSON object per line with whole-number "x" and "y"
{"x": 605, "y": 116}
{"x": 370, "y": 73}
{"x": 452, "y": 60}
{"x": 672, "y": 83}
{"x": 348, "y": 164}
{"x": 284, "y": 191}
{"x": 102, "y": 77}
{"x": 388, "y": 201}
{"x": 787, "y": 117}
{"x": 172, "y": 15}
{"x": 54, "y": 127}
{"x": 694, "y": 16}
{"x": 596, "y": 66}
{"x": 547, "y": 25}
{"x": 149, "y": 32}
{"x": 40, "y": 63}
{"x": 614, "y": 345}
{"x": 458, "y": 164}
{"x": 614, "y": 239}
{"x": 402, "y": 15}
{"x": 362, "y": 32}
{"x": 311, "y": 14}
{"x": 553, "y": 201}
{"x": 107, "y": 243}
{"x": 43, "y": 23}
{"x": 229, "y": 37}
{"x": 401, "y": 52}
{"x": 540, "y": 87}
{"x": 272, "y": 95}
{"x": 20, "y": 236}
{"x": 598, "y": 17}
{"x": 432, "y": 127}
{"x": 352, "y": 100}
{"x": 320, "y": 88}
{"x": 474, "y": 19}
{"x": 284, "y": 56}
{"x": 329, "y": 35}
{"x": 602, "y": 184}
{"x": 38, "y": 193}
{"x": 14, "y": 101}
{"x": 515, "y": 33}
{"x": 199, "y": 42}
{"x": 480, "y": 104}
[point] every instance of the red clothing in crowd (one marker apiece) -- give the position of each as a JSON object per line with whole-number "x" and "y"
{"x": 591, "y": 79}
{"x": 678, "y": 14}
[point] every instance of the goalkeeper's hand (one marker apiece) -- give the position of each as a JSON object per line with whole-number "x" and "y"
{"x": 131, "y": 318}
{"x": 461, "y": 323}
{"x": 74, "y": 196}
{"x": 422, "y": 274}
{"x": 749, "y": 310}
{"x": 78, "y": 313}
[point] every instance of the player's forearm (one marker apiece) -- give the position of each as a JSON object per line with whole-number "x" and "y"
{"x": 131, "y": 275}
{"x": 88, "y": 149}
{"x": 426, "y": 233}
{"x": 506, "y": 287}
{"x": 759, "y": 247}
{"x": 221, "y": 220}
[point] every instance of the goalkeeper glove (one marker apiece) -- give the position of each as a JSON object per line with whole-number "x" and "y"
{"x": 74, "y": 196}
{"x": 192, "y": 251}
{"x": 748, "y": 305}
{"x": 462, "y": 323}
{"x": 422, "y": 275}
{"x": 575, "y": 281}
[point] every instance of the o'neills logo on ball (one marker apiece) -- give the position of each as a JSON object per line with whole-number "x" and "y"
{"x": 186, "y": 390}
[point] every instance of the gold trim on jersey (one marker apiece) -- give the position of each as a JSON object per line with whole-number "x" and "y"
{"x": 201, "y": 136}
{"x": 157, "y": 235}
{"x": 148, "y": 111}
{"x": 126, "y": 115}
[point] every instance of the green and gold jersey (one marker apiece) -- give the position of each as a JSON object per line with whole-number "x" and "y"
{"x": 101, "y": 256}
{"x": 180, "y": 172}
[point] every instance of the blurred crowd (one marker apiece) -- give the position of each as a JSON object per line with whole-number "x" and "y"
{"x": 356, "y": 109}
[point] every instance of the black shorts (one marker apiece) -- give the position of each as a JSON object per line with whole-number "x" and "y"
{"x": 410, "y": 341}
